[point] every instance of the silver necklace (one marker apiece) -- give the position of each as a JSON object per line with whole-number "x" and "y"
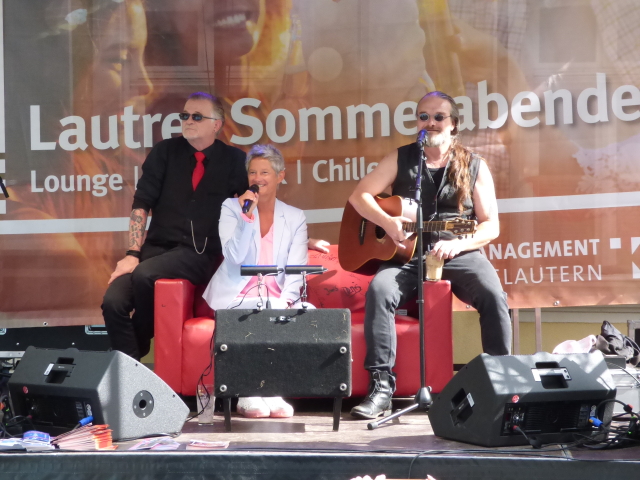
{"x": 193, "y": 237}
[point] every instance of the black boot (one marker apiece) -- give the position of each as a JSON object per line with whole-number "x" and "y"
{"x": 378, "y": 400}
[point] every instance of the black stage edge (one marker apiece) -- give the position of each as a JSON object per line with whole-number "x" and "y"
{"x": 242, "y": 465}
{"x": 305, "y": 447}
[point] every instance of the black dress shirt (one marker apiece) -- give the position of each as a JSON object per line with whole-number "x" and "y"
{"x": 165, "y": 189}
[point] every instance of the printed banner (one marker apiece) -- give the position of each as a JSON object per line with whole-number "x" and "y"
{"x": 548, "y": 95}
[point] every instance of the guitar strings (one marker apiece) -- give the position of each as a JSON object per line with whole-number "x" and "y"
{"x": 430, "y": 226}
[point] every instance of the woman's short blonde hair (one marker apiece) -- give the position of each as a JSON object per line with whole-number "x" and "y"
{"x": 268, "y": 152}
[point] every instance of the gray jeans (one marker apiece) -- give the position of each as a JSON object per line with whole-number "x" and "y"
{"x": 473, "y": 280}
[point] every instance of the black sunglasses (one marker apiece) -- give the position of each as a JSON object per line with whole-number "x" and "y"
{"x": 438, "y": 117}
{"x": 197, "y": 117}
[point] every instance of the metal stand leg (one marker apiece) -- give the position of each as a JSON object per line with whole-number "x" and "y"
{"x": 227, "y": 413}
{"x": 422, "y": 400}
{"x": 337, "y": 408}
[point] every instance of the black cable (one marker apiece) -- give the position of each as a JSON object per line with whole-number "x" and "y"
{"x": 412, "y": 462}
{"x": 626, "y": 407}
{"x": 245, "y": 295}
{"x": 621, "y": 434}
{"x": 534, "y": 442}
{"x": 204, "y": 373}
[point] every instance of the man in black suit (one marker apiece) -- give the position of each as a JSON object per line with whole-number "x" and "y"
{"x": 184, "y": 182}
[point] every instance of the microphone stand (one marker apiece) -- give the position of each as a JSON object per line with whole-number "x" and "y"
{"x": 261, "y": 270}
{"x": 304, "y": 270}
{"x": 303, "y": 295}
{"x": 422, "y": 399}
{"x": 260, "y": 284}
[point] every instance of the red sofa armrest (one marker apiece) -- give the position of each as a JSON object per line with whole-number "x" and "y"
{"x": 173, "y": 307}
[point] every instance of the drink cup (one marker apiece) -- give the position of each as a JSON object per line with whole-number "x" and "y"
{"x": 433, "y": 268}
{"x": 205, "y": 403}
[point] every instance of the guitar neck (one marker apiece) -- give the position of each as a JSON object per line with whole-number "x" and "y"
{"x": 435, "y": 226}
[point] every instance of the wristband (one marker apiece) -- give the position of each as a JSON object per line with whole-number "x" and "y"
{"x": 133, "y": 253}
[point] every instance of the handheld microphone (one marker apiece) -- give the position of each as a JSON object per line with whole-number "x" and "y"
{"x": 4, "y": 189}
{"x": 423, "y": 136}
{"x": 247, "y": 203}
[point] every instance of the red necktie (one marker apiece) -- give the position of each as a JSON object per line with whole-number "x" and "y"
{"x": 198, "y": 172}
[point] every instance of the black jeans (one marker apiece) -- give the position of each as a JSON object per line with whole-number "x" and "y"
{"x": 473, "y": 280}
{"x": 133, "y": 292}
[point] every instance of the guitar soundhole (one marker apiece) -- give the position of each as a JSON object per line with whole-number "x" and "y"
{"x": 380, "y": 233}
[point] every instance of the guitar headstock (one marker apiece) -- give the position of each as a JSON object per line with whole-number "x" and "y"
{"x": 461, "y": 226}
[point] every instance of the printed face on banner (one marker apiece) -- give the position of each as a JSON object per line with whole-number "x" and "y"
{"x": 118, "y": 35}
{"x": 232, "y": 27}
{"x": 334, "y": 85}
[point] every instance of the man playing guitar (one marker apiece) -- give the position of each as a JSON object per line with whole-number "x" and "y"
{"x": 456, "y": 183}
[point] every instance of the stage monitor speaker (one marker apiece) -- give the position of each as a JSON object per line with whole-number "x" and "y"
{"x": 549, "y": 397}
{"x": 286, "y": 353}
{"x": 58, "y": 388}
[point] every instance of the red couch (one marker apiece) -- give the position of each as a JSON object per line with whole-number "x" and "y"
{"x": 184, "y": 325}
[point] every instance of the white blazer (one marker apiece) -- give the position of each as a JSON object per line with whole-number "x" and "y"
{"x": 241, "y": 246}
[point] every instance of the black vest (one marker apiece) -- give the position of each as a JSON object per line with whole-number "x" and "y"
{"x": 439, "y": 202}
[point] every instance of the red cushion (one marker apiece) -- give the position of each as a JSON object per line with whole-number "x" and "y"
{"x": 357, "y": 318}
{"x": 200, "y": 306}
{"x": 196, "y": 354}
{"x": 173, "y": 302}
{"x": 336, "y": 288}
{"x": 407, "y": 363}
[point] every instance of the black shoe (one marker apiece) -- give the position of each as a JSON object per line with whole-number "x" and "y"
{"x": 378, "y": 400}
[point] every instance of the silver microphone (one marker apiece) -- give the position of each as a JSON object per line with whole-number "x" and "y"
{"x": 253, "y": 270}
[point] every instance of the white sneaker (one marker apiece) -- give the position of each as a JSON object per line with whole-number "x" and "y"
{"x": 278, "y": 407}
{"x": 253, "y": 407}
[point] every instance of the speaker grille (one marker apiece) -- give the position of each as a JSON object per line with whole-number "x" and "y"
{"x": 548, "y": 417}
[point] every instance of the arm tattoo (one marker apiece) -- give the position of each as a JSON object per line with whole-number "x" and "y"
{"x": 137, "y": 224}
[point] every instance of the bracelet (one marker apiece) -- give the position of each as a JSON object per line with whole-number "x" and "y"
{"x": 133, "y": 253}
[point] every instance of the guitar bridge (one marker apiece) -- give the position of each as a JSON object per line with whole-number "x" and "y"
{"x": 363, "y": 226}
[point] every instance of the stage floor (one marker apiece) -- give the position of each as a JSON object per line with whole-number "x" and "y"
{"x": 306, "y": 447}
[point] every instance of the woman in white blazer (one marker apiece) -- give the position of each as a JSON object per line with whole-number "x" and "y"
{"x": 270, "y": 233}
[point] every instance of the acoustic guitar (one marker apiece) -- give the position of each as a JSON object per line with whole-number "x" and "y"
{"x": 363, "y": 245}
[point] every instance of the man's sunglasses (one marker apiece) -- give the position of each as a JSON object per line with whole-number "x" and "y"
{"x": 438, "y": 117}
{"x": 197, "y": 117}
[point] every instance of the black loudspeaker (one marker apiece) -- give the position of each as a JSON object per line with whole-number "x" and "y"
{"x": 58, "y": 388}
{"x": 549, "y": 397}
{"x": 285, "y": 353}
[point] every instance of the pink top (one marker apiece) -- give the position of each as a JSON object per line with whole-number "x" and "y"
{"x": 266, "y": 258}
